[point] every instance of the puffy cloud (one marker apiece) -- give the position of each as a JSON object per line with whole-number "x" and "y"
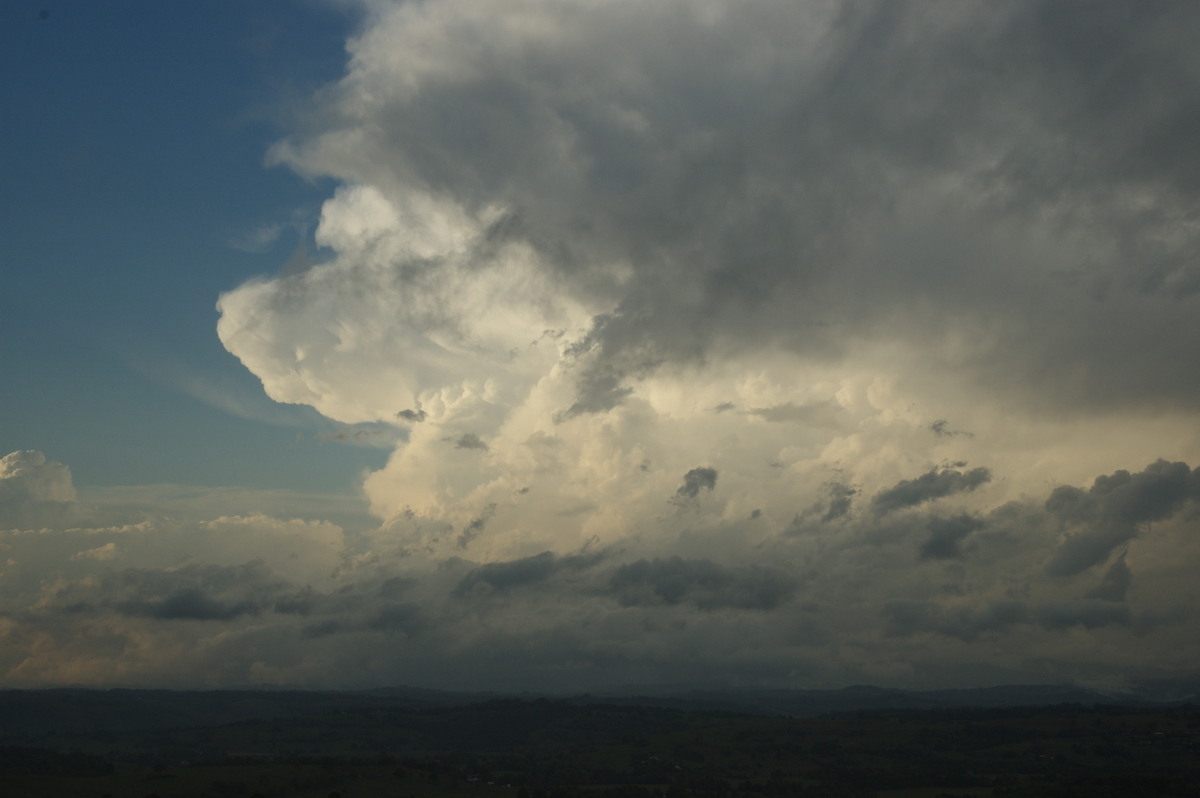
{"x": 579, "y": 248}
{"x": 33, "y": 490}
{"x": 1113, "y": 511}
{"x": 696, "y": 480}
{"x": 554, "y": 250}
{"x": 917, "y": 597}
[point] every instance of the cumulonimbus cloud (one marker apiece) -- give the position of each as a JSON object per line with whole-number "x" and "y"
{"x": 585, "y": 256}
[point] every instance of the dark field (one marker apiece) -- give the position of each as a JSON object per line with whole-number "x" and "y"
{"x": 171, "y": 745}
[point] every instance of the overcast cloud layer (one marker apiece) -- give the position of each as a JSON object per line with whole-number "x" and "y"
{"x": 760, "y": 342}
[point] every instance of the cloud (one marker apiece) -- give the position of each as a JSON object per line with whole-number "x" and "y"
{"x": 34, "y": 490}
{"x": 906, "y": 617}
{"x": 581, "y": 236}
{"x": 935, "y": 484}
{"x": 941, "y": 428}
{"x": 500, "y": 577}
{"x": 1088, "y": 613}
{"x": 705, "y": 584}
{"x": 1113, "y": 511}
{"x": 476, "y": 526}
{"x": 229, "y": 598}
{"x": 702, "y": 190}
{"x": 469, "y": 440}
{"x": 790, "y": 412}
{"x": 946, "y": 536}
{"x": 806, "y": 246}
{"x": 696, "y": 480}
{"x": 188, "y": 604}
{"x": 1115, "y": 583}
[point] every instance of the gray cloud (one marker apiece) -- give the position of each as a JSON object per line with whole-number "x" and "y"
{"x": 408, "y": 619}
{"x": 840, "y": 498}
{"x": 946, "y": 536}
{"x": 790, "y": 412}
{"x": 749, "y": 604}
{"x": 1113, "y": 510}
{"x": 188, "y": 604}
{"x": 695, "y": 481}
{"x": 703, "y": 583}
{"x": 476, "y": 526}
{"x": 941, "y": 428}
{"x": 194, "y": 592}
{"x": 503, "y": 576}
{"x": 931, "y": 485}
{"x": 469, "y": 440}
{"x": 1115, "y": 583}
{"x": 661, "y": 225}
{"x": 759, "y": 197}
{"x": 907, "y": 616}
{"x": 1088, "y": 613}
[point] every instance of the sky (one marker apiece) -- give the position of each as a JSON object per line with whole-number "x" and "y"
{"x": 578, "y": 344}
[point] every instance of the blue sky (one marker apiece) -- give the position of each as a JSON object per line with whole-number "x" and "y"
{"x": 134, "y": 166}
{"x": 564, "y": 344}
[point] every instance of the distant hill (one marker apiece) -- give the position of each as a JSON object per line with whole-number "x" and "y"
{"x": 813, "y": 703}
{"x": 70, "y": 711}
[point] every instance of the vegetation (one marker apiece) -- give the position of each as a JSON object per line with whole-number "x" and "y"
{"x": 558, "y": 749}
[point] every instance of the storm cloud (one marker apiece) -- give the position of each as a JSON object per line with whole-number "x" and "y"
{"x": 705, "y": 584}
{"x": 686, "y": 320}
{"x": 929, "y": 486}
{"x": 695, "y": 481}
{"x": 1114, "y": 510}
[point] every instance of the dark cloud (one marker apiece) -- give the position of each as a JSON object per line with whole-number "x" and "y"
{"x": 301, "y": 602}
{"x": 695, "y": 481}
{"x": 840, "y": 498}
{"x": 392, "y": 617}
{"x": 599, "y": 389}
{"x": 473, "y": 529}
{"x": 931, "y": 485}
{"x": 1113, "y": 511}
{"x": 908, "y": 617}
{"x": 836, "y": 503}
{"x": 941, "y": 428}
{"x": 396, "y": 586}
{"x": 189, "y": 604}
{"x": 191, "y": 593}
{"x": 700, "y": 582}
{"x": 946, "y": 536}
{"x": 1115, "y": 583}
{"x": 412, "y": 416}
{"x": 498, "y": 577}
{"x": 407, "y": 618}
{"x": 1088, "y": 613}
{"x": 322, "y": 629}
{"x": 469, "y": 440}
